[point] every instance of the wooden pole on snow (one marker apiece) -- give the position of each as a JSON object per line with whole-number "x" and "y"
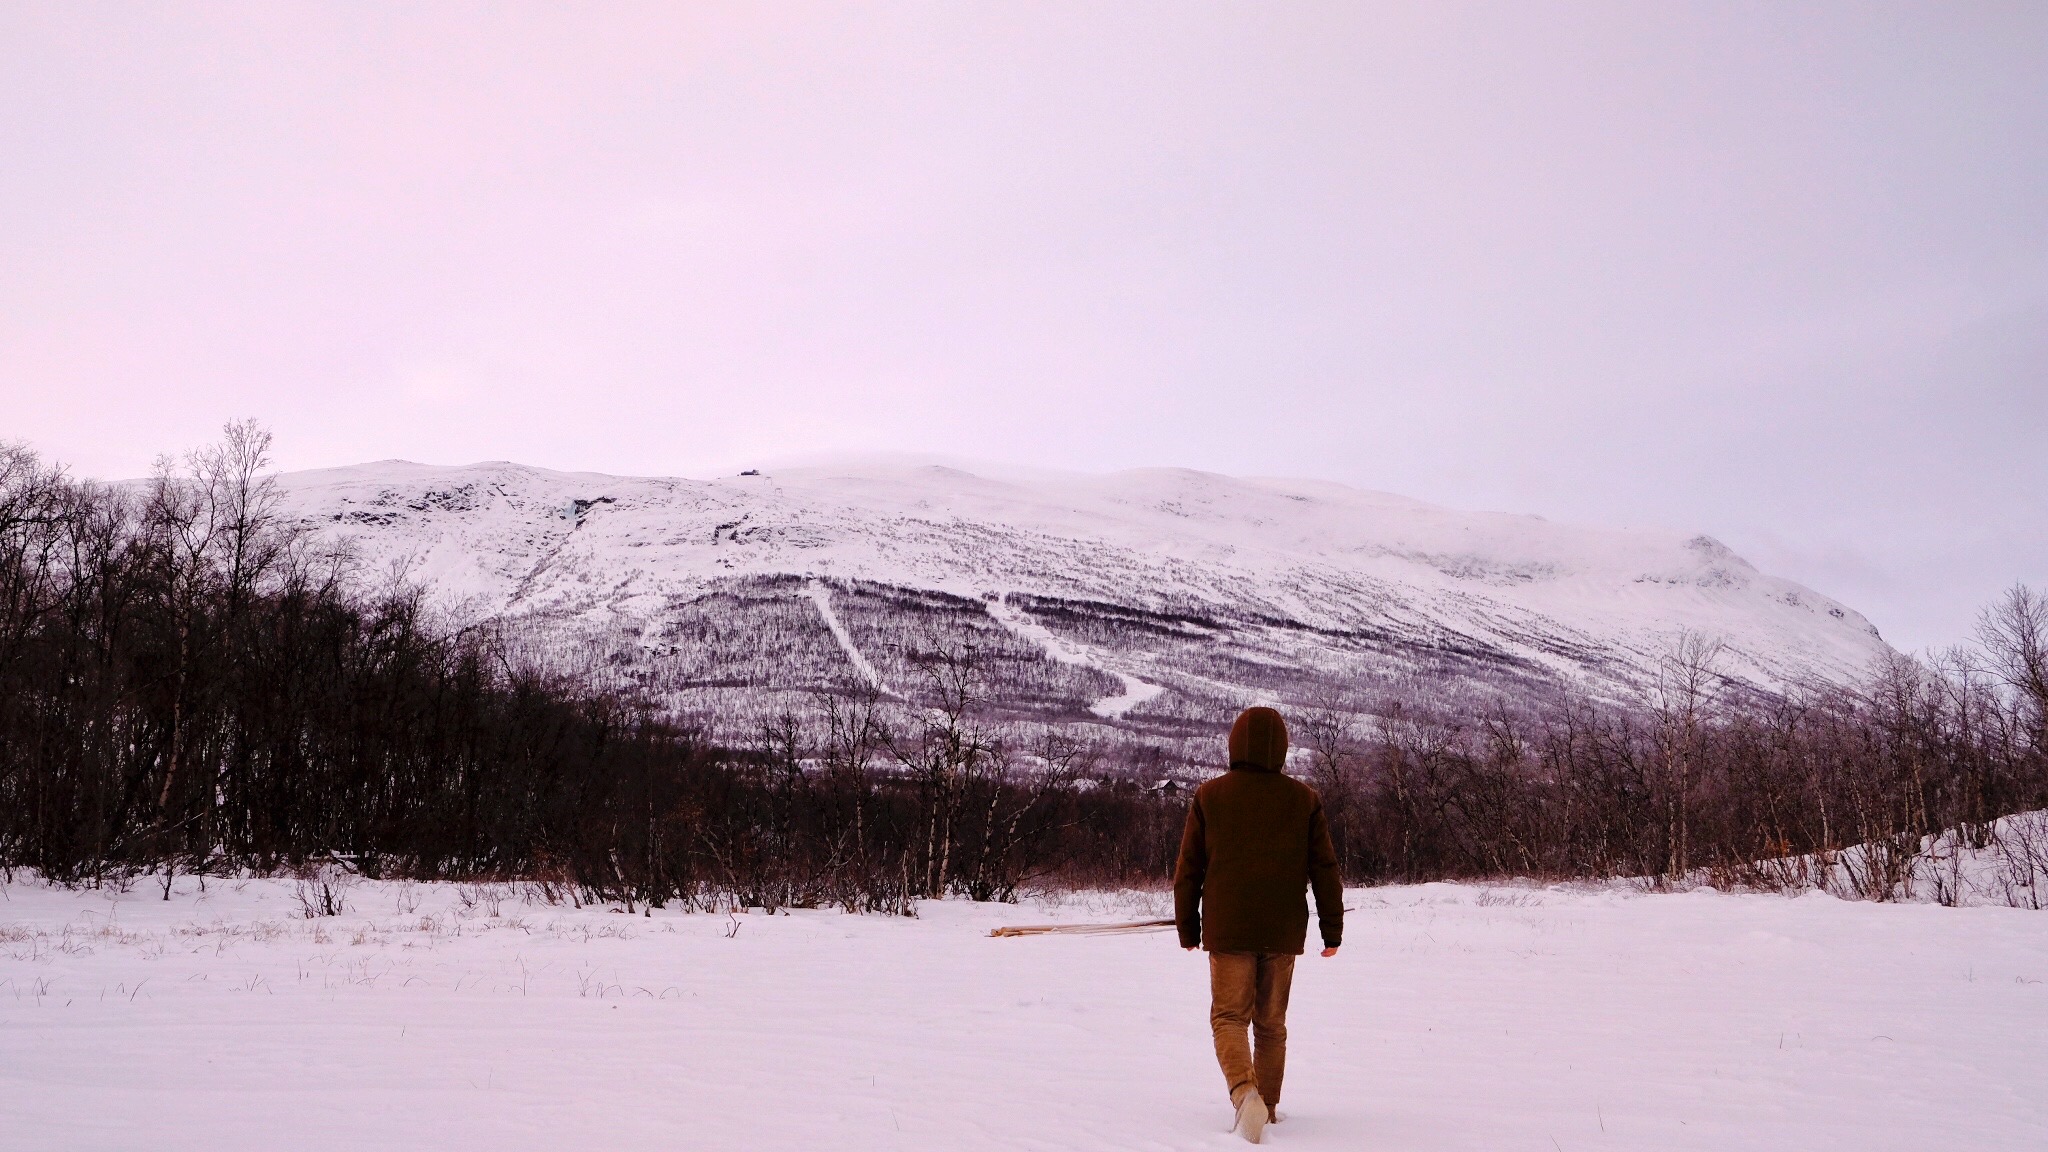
{"x": 1082, "y": 929}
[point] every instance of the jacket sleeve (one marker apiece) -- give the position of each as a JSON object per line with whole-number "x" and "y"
{"x": 1325, "y": 879}
{"x": 1188, "y": 873}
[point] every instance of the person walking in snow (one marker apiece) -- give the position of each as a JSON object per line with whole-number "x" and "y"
{"x": 1255, "y": 841}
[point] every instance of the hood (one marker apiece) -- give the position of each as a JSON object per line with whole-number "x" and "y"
{"x": 1258, "y": 740}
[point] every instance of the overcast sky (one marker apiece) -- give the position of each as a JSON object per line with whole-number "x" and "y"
{"x": 1775, "y": 271}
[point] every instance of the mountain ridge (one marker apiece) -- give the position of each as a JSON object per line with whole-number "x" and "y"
{"x": 1182, "y": 591}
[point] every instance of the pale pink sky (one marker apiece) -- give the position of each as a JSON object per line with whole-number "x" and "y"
{"x": 1773, "y": 271}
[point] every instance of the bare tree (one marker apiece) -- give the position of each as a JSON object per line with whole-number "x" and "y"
{"x": 2014, "y": 636}
{"x": 1328, "y": 724}
{"x": 855, "y": 734}
{"x": 1688, "y": 681}
{"x": 945, "y": 745}
{"x": 241, "y": 505}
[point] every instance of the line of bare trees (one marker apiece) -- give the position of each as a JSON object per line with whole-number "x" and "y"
{"x": 1699, "y": 777}
{"x": 186, "y": 682}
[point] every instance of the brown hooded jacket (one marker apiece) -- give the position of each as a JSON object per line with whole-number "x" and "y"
{"x": 1255, "y": 840}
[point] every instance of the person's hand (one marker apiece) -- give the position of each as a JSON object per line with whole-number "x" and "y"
{"x": 1329, "y": 951}
{"x": 1187, "y": 948}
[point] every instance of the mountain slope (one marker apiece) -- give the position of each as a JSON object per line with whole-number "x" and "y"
{"x": 1151, "y": 598}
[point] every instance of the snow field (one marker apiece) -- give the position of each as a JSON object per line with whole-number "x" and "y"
{"x": 1456, "y": 1017}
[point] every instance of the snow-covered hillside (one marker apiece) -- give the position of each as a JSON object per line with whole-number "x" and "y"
{"x": 1154, "y": 597}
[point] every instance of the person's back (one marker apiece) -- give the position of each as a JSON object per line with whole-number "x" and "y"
{"x": 1255, "y": 841}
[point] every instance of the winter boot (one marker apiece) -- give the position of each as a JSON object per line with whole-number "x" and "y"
{"x": 1251, "y": 1117}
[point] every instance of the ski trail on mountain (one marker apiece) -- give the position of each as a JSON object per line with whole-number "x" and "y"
{"x": 1135, "y": 691}
{"x": 822, "y": 597}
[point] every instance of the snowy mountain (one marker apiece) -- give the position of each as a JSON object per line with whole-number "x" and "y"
{"x": 1154, "y": 599}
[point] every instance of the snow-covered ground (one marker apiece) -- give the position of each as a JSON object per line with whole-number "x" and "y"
{"x": 1456, "y": 1017}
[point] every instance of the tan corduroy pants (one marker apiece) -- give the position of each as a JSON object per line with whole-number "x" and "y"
{"x": 1248, "y": 992}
